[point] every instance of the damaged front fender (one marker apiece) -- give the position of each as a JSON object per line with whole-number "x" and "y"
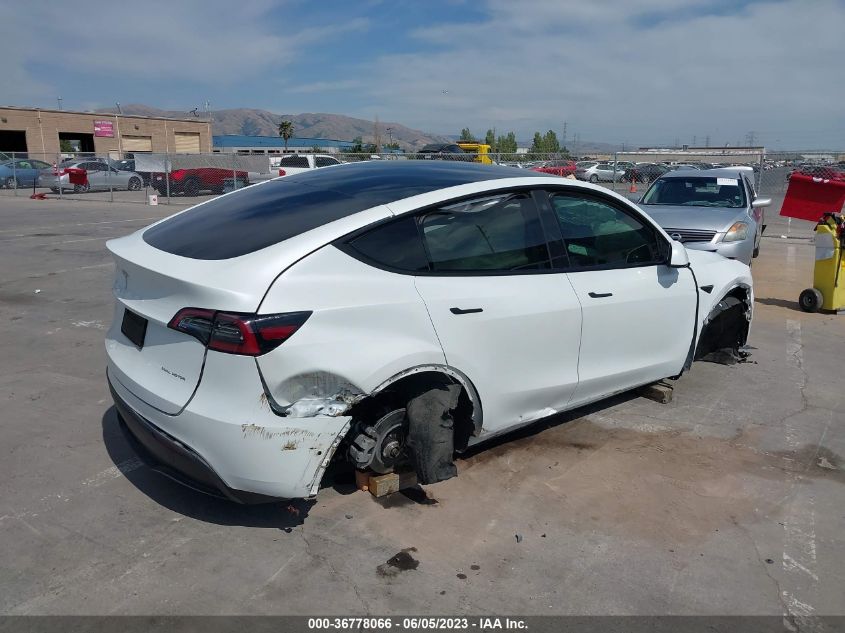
{"x": 724, "y": 331}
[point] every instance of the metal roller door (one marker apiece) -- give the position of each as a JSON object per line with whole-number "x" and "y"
{"x": 137, "y": 143}
{"x": 187, "y": 142}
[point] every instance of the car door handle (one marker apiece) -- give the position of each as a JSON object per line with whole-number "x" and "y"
{"x": 599, "y": 295}
{"x": 465, "y": 311}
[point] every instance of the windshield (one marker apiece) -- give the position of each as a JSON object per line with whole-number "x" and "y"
{"x": 697, "y": 192}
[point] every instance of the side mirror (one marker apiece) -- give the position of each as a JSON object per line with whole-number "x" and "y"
{"x": 761, "y": 202}
{"x": 678, "y": 257}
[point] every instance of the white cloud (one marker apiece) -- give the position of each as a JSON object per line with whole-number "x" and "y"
{"x": 215, "y": 43}
{"x": 774, "y": 68}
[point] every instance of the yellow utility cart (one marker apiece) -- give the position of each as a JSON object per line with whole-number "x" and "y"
{"x": 828, "y": 291}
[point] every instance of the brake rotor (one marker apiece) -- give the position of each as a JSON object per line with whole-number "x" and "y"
{"x": 384, "y": 442}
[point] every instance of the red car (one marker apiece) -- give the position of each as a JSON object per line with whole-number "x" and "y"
{"x": 557, "y": 167}
{"x": 191, "y": 181}
{"x": 826, "y": 172}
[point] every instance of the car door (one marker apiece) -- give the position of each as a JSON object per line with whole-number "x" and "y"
{"x": 38, "y": 167}
{"x": 638, "y": 313}
{"x": 502, "y": 315}
{"x": 24, "y": 173}
{"x": 757, "y": 213}
{"x": 96, "y": 174}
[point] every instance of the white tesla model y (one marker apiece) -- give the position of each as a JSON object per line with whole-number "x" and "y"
{"x": 390, "y": 312}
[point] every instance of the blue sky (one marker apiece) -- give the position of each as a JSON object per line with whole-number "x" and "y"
{"x": 644, "y": 72}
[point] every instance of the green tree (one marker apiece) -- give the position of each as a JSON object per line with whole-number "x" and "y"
{"x": 393, "y": 145}
{"x": 490, "y": 139}
{"x": 466, "y": 136}
{"x": 506, "y": 144}
{"x": 286, "y": 131}
{"x": 537, "y": 144}
{"x": 65, "y": 146}
{"x": 357, "y": 146}
{"x": 550, "y": 143}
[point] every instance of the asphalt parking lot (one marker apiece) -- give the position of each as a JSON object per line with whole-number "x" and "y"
{"x": 728, "y": 500}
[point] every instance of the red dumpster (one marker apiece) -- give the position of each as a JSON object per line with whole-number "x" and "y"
{"x": 808, "y": 197}
{"x": 77, "y": 176}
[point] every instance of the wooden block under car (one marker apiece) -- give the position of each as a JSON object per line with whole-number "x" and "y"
{"x": 659, "y": 392}
{"x": 381, "y": 485}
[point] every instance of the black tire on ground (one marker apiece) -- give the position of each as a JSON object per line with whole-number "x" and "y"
{"x": 756, "y": 251}
{"x": 10, "y": 183}
{"x": 81, "y": 188}
{"x": 135, "y": 184}
{"x": 192, "y": 187}
{"x": 594, "y": 179}
{"x": 810, "y": 300}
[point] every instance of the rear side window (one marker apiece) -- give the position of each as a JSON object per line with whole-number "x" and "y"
{"x": 325, "y": 161}
{"x": 266, "y": 214}
{"x": 499, "y": 233}
{"x": 394, "y": 245}
{"x": 255, "y": 218}
{"x": 294, "y": 161}
{"x": 598, "y": 235}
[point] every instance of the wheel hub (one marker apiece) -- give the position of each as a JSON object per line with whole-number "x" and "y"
{"x": 380, "y": 446}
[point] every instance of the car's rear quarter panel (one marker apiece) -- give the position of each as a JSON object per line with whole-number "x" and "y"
{"x": 374, "y": 318}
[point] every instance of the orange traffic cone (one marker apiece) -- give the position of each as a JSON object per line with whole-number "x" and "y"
{"x": 633, "y": 188}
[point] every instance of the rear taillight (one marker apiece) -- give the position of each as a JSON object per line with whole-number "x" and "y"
{"x": 237, "y": 333}
{"x": 282, "y": 172}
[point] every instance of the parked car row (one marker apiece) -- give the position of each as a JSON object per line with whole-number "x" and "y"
{"x": 21, "y": 172}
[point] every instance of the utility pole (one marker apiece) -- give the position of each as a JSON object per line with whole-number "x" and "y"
{"x": 707, "y": 141}
{"x": 564, "y": 134}
{"x": 750, "y": 138}
{"x": 390, "y": 134}
{"x": 694, "y": 139}
{"x": 376, "y": 135}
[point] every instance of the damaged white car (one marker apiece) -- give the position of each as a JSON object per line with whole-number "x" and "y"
{"x": 395, "y": 312}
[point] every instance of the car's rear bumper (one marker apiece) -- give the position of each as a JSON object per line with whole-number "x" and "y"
{"x": 167, "y": 455}
{"x": 227, "y": 441}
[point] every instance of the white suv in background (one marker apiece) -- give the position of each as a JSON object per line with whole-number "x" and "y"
{"x": 297, "y": 163}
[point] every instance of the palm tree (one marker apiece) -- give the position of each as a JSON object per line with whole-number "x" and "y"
{"x": 286, "y": 131}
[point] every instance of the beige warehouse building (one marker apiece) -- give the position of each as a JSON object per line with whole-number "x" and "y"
{"x": 41, "y": 131}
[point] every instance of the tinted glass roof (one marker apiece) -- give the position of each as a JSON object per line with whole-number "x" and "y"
{"x": 257, "y": 217}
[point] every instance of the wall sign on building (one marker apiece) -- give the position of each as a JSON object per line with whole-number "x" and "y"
{"x": 104, "y": 128}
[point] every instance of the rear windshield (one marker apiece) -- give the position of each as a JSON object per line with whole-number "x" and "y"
{"x": 257, "y": 217}
{"x": 697, "y": 192}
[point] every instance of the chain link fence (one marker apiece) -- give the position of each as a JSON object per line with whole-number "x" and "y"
{"x": 157, "y": 178}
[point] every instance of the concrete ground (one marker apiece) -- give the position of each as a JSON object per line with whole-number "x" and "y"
{"x": 729, "y": 500}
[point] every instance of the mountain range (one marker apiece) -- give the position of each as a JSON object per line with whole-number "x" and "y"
{"x": 253, "y": 122}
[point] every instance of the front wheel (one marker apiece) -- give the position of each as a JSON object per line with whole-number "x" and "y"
{"x": 811, "y": 300}
{"x": 192, "y": 188}
{"x": 594, "y": 179}
{"x": 81, "y": 188}
{"x": 135, "y": 184}
{"x": 11, "y": 183}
